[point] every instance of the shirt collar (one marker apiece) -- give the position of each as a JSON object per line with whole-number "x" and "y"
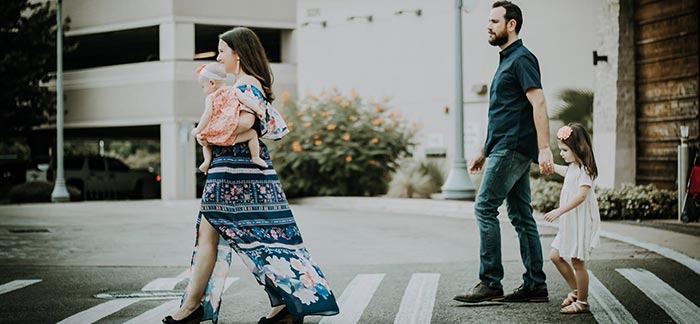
{"x": 511, "y": 48}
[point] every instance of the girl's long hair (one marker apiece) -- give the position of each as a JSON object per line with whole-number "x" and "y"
{"x": 580, "y": 143}
{"x": 252, "y": 57}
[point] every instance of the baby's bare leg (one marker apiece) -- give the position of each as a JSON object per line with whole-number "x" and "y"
{"x": 252, "y": 138}
{"x": 207, "y": 152}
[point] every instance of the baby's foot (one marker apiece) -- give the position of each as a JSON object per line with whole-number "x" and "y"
{"x": 204, "y": 167}
{"x": 259, "y": 162}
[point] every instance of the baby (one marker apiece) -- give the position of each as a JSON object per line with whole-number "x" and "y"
{"x": 222, "y": 109}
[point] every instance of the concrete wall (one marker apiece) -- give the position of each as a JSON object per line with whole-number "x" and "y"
{"x": 410, "y": 59}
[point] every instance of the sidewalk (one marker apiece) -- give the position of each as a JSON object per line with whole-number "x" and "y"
{"x": 688, "y": 245}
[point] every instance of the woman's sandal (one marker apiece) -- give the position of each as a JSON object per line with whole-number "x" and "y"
{"x": 570, "y": 299}
{"x": 576, "y": 307}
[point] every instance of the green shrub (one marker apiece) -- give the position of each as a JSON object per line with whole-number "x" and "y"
{"x": 545, "y": 194}
{"x": 339, "y": 146}
{"x": 626, "y": 202}
{"x": 37, "y": 191}
{"x": 416, "y": 179}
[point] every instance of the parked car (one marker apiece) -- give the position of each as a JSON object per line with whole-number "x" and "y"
{"x": 99, "y": 177}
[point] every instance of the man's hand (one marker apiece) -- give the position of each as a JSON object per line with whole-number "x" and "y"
{"x": 546, "y": 161}
{"x": 552, "y": 215}
{"x": 477, "y": 163}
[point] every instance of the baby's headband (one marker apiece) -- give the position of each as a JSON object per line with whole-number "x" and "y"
{"x": 208, "y": 74}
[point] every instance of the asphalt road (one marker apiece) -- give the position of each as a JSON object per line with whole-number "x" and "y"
{"x": 81, "y": 250}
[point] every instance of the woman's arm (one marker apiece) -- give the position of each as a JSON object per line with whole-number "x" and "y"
{"x": 578, "y": 199}
{"x": 246, "y": 121}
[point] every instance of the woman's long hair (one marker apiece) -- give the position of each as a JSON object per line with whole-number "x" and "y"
{"x": 252, "y": 57}
{"x": 580, "y": 143}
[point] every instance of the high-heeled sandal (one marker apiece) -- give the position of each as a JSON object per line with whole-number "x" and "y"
{"x": 193, "y": 318}
{"x": 282, "y": 317}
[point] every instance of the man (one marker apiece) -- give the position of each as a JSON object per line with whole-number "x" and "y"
{"x": 518, "y": 134}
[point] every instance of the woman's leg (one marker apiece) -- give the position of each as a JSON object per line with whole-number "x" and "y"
{"x": 252, "y": 138}
{"x": 581, "y": 279}
{"x": 564, "y": 268}
{"x": 206, "y": 151}
{"x": 205, "y": 258}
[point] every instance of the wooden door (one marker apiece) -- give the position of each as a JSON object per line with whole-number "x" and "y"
{"x": 666, "y": 62}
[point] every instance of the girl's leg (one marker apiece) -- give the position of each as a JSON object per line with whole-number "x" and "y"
{"x": 205, "y": 258}
{"x": 206, "y": 151}
{"x": 564, "y": 268}
{"x": 581, "y": 279}
{"x": 252, "y": 138}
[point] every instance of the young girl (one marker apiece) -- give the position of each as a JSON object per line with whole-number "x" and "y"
{"x": 221, "y": 113}
{"x": 580, "y": 218}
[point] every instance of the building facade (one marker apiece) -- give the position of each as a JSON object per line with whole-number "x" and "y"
{"x": 133, "y": 68}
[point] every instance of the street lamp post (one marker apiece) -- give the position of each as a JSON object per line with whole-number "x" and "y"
{"x": 458, "y": 185}
{"x": 60, "y": 192}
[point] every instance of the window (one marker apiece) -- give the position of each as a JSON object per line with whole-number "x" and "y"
{"x": 116, "y": 165}
{"x": 96, "y": 164}
{"x": 113, "y": 48}
{"x": 73, "y": 163}
{"x": 207, "y": 38}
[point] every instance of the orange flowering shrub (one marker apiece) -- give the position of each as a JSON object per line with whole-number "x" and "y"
{"x": 339, "y": 145}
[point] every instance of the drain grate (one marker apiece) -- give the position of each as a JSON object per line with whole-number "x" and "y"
{"x": 29, "y": 230}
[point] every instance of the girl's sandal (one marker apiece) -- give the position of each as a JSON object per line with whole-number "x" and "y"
{"x": 570, "y": 299}
{"x": 576, "y": 307}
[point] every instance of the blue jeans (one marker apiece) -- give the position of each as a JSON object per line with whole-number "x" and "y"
{"x": 507, "y": 177}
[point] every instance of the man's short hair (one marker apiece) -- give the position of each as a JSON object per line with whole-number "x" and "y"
{"x": 512, "y": 12}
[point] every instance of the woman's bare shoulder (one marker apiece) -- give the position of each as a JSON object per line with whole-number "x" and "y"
{"x": 248, "y": 80}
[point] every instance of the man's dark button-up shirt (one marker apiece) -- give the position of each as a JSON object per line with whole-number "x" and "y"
{"x": 511, "y": 124}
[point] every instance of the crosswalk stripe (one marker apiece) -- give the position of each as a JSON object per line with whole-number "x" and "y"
{"x": 17, "y": 284}
{"x": 418, "y": 299}
{"x": 355, "y": 299}
{"x": 672, "y": 302}
{"x": 605, "y": 307}
{"x": 681, "y": 258}
{"x": 162, "y": 284}
{"x": 99, "y": 312}
{"x": 156, "y": 314}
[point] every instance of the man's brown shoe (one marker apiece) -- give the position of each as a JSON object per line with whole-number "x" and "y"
{"x": 480, "y": 293}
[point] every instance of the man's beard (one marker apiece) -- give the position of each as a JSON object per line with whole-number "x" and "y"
{"x": 498, "y": 39}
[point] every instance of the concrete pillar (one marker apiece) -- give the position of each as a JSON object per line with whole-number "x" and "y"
{"x": 176, "y": 41}
{"x": 177, "y": 152}
{"x": 614, "y": 125}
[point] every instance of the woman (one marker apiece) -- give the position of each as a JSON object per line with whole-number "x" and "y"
{"x": 244, "y": 208}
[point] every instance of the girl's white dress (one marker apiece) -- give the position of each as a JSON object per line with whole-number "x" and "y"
{"x": 579, "y": 228}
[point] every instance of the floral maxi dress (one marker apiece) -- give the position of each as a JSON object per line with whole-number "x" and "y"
{"x": 247, "y": 207}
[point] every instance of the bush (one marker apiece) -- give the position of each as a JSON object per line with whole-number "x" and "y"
{"x": 37, "y": 191}
{"x": 416, "y": 179}
{"x": 339, "y": 146}
{"x": 545, "y": 194}
{"x": 626, "y": 202}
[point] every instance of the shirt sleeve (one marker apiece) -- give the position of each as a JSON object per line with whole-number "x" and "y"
{"x": 528, "y": 72}
{"x": 584, "y": 179}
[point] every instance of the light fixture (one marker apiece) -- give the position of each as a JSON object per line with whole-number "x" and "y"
{"x": 368, "y": 18}
{"x": 321, "y": 23}
{"x": 204, "y": 55}
{"x": 417, "y": 12}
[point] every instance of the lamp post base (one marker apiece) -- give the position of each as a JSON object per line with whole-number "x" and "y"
{"x": 458, "y": 185}
{"x": 60, "y": 192}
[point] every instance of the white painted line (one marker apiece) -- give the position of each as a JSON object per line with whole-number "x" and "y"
{"x": 681, "y": 258}
{"x": 672, "y": 302}
{"x": 17, "y": 284}
{"x": 156, "y": 314}
{"x": 605, "y": 307}
{"x": 355, "y": 299}
{"x": 99, "y": 312}
{"x": 162, "y": 284}
{"x": 418, "y": 299}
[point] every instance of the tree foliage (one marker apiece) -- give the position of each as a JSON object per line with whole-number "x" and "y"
{"x": 27, "y": 56}
{"x": 577, "y": 107}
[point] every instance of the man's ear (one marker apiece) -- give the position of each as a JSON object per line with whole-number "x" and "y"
{"x": 511, "y": 25}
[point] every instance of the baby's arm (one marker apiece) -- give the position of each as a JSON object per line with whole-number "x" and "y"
{"x": 573, "y": 203}
{"x": 560, "y": 169}
{"x": 204, "y": 120}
